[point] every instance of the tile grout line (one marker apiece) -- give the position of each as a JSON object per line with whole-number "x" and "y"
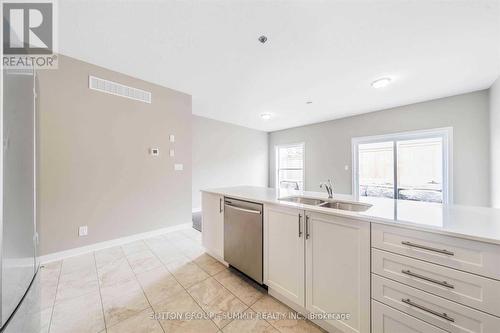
{"x": 164, "y": 265}
{"x": 212, "y": 276}
{"x": 100, "y": 295}
{"x": 140, "y": 285}
{"x": 234, "y": 293}
{"x": 173, "y": 276}
{"x": 55, "y": 297}
{"x": 182, "y": 250}
{"x": 247, "y": 307}
{"x": 270, "y": 324}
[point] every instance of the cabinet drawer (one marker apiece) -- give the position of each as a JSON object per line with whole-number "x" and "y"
{"x": 448, "y": 315}
{"x": 466, "y": 255}
{"x": 388, "y": 320}
{"x": 465, "y": 288}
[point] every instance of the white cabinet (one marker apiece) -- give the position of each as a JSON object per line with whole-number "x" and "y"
{"x": 427, "y": 277}
{"x": 463, "y": 254}
{"x": 338, "y": 269}
{"x": 284, "y": 252}
{"x": 212, "y": 227}
{"x": 435, "y": 310}
{"x": 469, "y": 289}
{"x": 388, "y": 320}
{"x": 320, "y": 263}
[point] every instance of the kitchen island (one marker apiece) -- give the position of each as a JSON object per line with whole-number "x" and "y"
{"x": 397, "y": 266}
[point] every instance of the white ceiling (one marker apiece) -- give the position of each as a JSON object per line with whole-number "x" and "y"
{"x": 324, "y": 51}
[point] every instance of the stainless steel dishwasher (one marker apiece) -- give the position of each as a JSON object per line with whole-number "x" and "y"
{"x": 243, "y": 237}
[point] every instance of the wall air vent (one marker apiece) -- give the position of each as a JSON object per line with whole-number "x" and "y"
{"x": 118, "y": 89}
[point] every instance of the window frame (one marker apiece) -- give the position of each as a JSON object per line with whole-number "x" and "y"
{"x": 277, "y": 163}
{"x": 446, "y": 133}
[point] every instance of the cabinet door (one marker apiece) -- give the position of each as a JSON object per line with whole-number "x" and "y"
{"x": 212, "y": 225}
{"x": 284, "y": 252}
{"x": 338, "y": 270}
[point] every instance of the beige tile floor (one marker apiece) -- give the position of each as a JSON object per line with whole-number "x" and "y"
{"x": 144, "y": 285}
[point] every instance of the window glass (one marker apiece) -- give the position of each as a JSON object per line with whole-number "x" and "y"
{"x": 376, "y": 169}
{"x": 417, "y": 163}
{"x": 420, "y": 169}
{"x": 290, "y": 167}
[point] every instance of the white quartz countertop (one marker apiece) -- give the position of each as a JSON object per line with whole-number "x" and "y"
{"x": 476, "y": 223}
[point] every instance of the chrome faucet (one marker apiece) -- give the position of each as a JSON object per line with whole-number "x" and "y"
{"x": 329, "y": 188}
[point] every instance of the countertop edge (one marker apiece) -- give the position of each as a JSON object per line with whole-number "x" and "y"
{"x": 356, "y": 216}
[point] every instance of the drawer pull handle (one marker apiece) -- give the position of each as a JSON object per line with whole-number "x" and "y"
{"x": 428, "y": 248}
{"x": 307, "y": 227}
{"x": 251, "y": 211}
{"x": 441, "y": 283}
{"x": 423, "y": 308}
{"x": 300, "y": 228}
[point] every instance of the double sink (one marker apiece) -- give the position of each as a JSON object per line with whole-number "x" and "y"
{"x": 333, "y": 204}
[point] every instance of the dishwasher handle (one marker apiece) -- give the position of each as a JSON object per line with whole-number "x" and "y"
{"x": 251, "y": 211}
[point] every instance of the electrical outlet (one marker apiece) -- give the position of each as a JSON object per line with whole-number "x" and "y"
{"x": 83, "y": 231}
{"x": 178, "y": 167}
{"x": 154, "y": 151}
{"x": 172, "y": 152}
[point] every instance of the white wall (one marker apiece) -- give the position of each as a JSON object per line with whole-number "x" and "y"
{"x": 328, "y": 144}
{"x": 226, "y": 155}
{"x": 495, "y": 143}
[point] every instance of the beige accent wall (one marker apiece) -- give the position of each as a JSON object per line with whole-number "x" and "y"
{"x": 94, "y": 163}
{"x": 328, "y": 144}
{"x": 226, "y": 155}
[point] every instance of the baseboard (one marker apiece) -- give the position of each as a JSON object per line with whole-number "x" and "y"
{"x": 45, "y": 259}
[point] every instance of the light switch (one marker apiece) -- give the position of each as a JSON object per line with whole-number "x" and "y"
{"x": 172, "y": 152}
{"x": 346, "y": 167}
{"x": 172, "y": 138}
{"x": 178, "y": 167}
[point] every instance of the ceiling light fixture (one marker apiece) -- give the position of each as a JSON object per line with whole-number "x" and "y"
{"x": 262, "y": 39}
{"x": 266, "y": 116}
{"x": 381, "y": 83}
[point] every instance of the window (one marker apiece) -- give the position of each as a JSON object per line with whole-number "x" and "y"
{"x": 407, "y": 166}
{"x": 290, "y": 166}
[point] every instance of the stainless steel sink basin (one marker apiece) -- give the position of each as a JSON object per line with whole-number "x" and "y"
{"x": 304, "y": 200}
{"x": 334, "y": 204}
{"x": 342, "y": 205}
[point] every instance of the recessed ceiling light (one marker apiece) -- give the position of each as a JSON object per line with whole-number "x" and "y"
{"x": 382, "y": 82}
{"x": 266, "y": 115}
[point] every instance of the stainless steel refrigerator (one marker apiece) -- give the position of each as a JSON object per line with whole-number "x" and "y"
{"x": 18, "y": 184}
